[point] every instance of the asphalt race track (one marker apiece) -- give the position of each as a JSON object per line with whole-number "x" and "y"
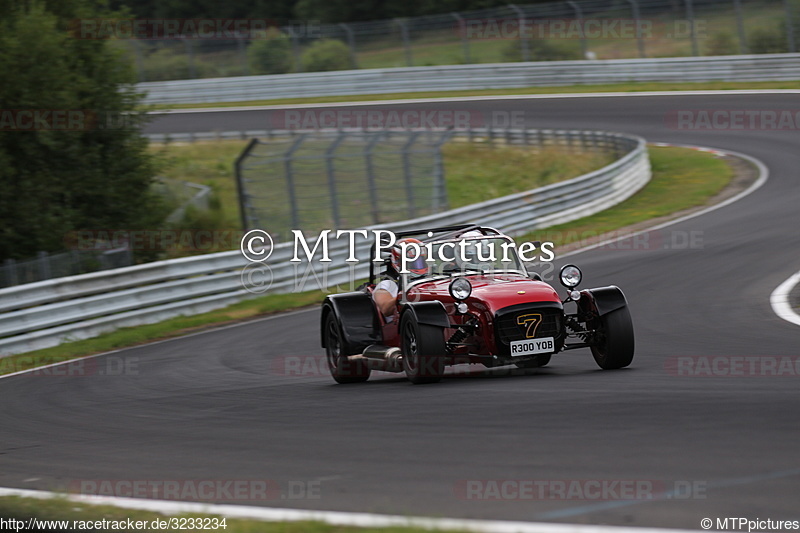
{"x": 229, "y": 405}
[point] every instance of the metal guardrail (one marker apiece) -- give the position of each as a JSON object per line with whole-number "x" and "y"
{"x": 771, "y": 67}
{"x": 43, "y": 314}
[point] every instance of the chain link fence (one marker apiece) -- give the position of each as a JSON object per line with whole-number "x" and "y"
{"x": 343, "y": 180}
{"x": 573, "y": 29}
{"x": 48, "y": 266}
{"x": 340, "y": 179}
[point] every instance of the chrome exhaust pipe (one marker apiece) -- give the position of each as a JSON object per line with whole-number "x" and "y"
{"x": 378, "y": 357}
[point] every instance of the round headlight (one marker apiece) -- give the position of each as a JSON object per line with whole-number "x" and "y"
{"x": 570, "y": 276}
{"x": 460, "y": 288}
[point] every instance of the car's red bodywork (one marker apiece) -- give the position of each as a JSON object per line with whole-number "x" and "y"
{"x": 504, "y": 316}
{"x": 490, "y": 294}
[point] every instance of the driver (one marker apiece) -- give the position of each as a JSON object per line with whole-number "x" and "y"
{"x": 385, "y": 293}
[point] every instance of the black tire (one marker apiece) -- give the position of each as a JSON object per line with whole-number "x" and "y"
{"x": 537, "y": 362}
{"x": 423, "y": 349}
{"x": 615, "y": 345}
{"x": 337, "y": 350}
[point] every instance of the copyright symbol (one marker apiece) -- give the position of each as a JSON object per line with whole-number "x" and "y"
{"x": 256, "y": 245}
{"x": 706, "y": 523}
{"x": 256, "y": 278}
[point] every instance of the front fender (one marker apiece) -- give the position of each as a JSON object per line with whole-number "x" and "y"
{"x": 602, "y": 300}
{"x": 429, "y": 313}
{"x": 357, "y": 315}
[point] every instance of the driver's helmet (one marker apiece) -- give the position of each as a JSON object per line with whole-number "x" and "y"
{"x": 471, "y": 252}
{"x": 418, "y": 266}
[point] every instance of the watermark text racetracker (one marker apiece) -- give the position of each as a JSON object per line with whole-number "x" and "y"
{"x": 578, "y": 489}
{"x": 204, "y": 490}
{"x": 351, "y": 252}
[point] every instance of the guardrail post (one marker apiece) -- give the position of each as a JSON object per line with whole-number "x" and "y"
{"x": 406, "y": 41}
{"x": 373, "y": 192}
{"x": 406, "y": 151}
{"x": 337, "y": 222}
{"x": 789, "y": 25}
{"x": 290, "y": 178}
{"x": 636, "y": 20}
{"x": 190, "y": 57}
{"x": 43, "y": 265}
{"x": 237, "y": 166}
{"x": 351, "y": 42}
{"x": 737, "y": 6}
{"x": 242, "y": 53}
{"x": 298, "y": 64}
{"x": 462, "y": 29}
{"x": 692, "y": 28}
{"x": 579, "y": 19}
{"x": 11, "y": 272}
{"x": 523, "y": 39}
{"x": 137, "y": 50}
{"x": 439, "y": 197}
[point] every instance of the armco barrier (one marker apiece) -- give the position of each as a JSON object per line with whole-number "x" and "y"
{"x": 768, "y": 67}
{"x": 43, "y": 314}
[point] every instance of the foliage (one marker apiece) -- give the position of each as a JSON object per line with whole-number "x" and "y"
{"x": 326, "y": 54}
{"x": 94, "y": 175}
{"x": 722, "y": 44}
{"x": 270, "y": 54}
{"x": 768, "y": 41}
{"x": 540, "y": 50}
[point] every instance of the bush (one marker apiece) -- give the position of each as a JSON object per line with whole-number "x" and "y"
{"x": 271, "y": 54}
{"x": 167, "y": 64}
{"x": 722, "y": 44}
{"x": 327, "y": 54}
{"x": 540, "y": 50}
{"x": 768, "y": 41}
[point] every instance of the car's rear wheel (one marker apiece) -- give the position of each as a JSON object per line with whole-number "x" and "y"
{"x": 536, "y": 362}
{"x": 337, "y": 350}
{"x": 423, "y": 349}
{"x": 614, "y": 340}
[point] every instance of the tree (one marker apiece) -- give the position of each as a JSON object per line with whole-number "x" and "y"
{"x": 94, "y": 173}
{"x": 326, "y": 54}
{"x": 270, "y": 54}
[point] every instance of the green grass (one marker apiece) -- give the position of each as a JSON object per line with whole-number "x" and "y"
{"x": 682, "y": 178}
{"x": 63, "y": 509}
{"x": 476, "y": 173}
{"x": 207, "y": 163}
{"x": 566, "y": 89}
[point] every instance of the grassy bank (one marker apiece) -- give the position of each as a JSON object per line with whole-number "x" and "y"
{"x": 474, "y": 172}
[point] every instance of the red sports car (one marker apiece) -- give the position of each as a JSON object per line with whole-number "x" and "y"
{"x": 477, "y": 307}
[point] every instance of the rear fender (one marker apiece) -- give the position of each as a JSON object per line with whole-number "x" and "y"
{"x": 357, "y": 315}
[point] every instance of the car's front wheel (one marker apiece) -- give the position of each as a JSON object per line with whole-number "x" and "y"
{"x": 423, "y": 349}
{"x": 336, "y": 350}
{"x": 614, "y": 344}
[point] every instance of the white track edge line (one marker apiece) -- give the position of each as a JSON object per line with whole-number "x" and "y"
{"x": 470, "y": 99}
{"x": 779, "y": 300}
{"x": 763, "y": 176}
{"x": 334, "y": 517}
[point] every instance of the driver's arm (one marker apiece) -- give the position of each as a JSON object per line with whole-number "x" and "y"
{"x": 385, "y": 296}
{"x": 385, "y": 301}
